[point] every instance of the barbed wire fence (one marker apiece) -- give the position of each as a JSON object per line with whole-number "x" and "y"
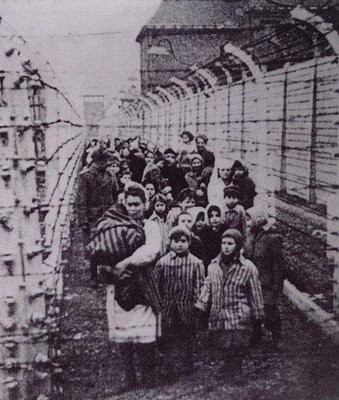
{"x": 274, "y": 105}
{"x": 41, "y": 143}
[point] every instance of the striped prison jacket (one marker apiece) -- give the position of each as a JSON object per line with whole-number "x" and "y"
{"x": 233, "y": 294}
{"x": 179, "y": 280}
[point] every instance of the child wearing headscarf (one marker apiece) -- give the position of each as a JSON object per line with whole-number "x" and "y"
{"x": 246, "y": 185}
{"x": 211, "y": 233}
{"x": 198, "y": 174}
{"x": 232, "y": 292}
{"x": 158, "y": 214}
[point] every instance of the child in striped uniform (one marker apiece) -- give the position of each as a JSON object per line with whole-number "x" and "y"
{"x": 180, "y": 276}
{"x": 159, "y": 208}
{"x": 232, "y": 291}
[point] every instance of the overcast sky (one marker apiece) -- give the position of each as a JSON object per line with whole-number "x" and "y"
{"x": 90, "y": 43}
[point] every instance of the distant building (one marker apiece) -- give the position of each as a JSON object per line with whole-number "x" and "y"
{"x": 183, "y": 33}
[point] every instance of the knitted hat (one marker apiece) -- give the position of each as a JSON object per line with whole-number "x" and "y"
{"x": 236, "y": 235}
{"x": 188, "y": 134}
{"x": 258, "y": 215}
{"x": 196, "y": 156}
{"x": 178, "y": 231}
{"x": 232, "y": 190}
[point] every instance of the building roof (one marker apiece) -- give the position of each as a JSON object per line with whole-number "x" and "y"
{"x": 203, "y": 14}
{"x": 212, "y": 14}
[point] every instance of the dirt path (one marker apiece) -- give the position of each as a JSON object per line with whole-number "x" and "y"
{"x": 306, "y": 369}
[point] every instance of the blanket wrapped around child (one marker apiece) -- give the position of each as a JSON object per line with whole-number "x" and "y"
{"x": 116, "y": 236}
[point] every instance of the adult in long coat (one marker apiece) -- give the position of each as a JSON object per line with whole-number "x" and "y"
{"x": 263, "y": 246}
{"x": 98, "y": 189}
{"x": 140, "y": 324}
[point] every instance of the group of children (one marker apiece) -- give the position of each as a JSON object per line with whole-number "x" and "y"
{"x": 221, "y": 265}
{"x": 207, "y": 280}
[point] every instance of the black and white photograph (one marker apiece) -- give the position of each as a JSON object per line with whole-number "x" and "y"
{"x": 169, "y": 200}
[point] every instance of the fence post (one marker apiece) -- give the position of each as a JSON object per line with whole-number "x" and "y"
{"x": 333, "y": 229}
{"x": 24, "y": 358}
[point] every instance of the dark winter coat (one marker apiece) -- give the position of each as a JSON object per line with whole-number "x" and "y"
{"x": 211, "y": 238}
{"x": 96, "y": 193}
{"x": 175, "y": 177}
{"x": 246, "y": 185}
{"x": 265, "y": 251}
{"x": 208, "y": 157}
{"x": 137, "y": 164}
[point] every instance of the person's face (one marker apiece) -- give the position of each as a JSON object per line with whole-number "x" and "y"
{"x": 149, "y": 158}
{"x": 124, "y": 165}
{"x": 200, "y": 143}
{"x": 161, "y": 163}
{"x": 238, "y": 172}
{"x": 170, "y": 159}
{"x": 150, "y": 189}
{"x": 199, "y": 223}
{"x": 116, "y": 167}
{"x": 188, "y": 202}
{"x": 230, "y": 201}
{"x": 160, "y": 208}
{"x": 185, "y": 139}
{"x": 215, "y": 219}
{"x": 135, "y": 207}
{"x": 196, "y": 164}
{"x": 224, "y": 173}
{"x": 228, "y": 246}
{"x": 125, "y": 179}
{"x": 185, "y": 220}
{"x": 181, "y": 245}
